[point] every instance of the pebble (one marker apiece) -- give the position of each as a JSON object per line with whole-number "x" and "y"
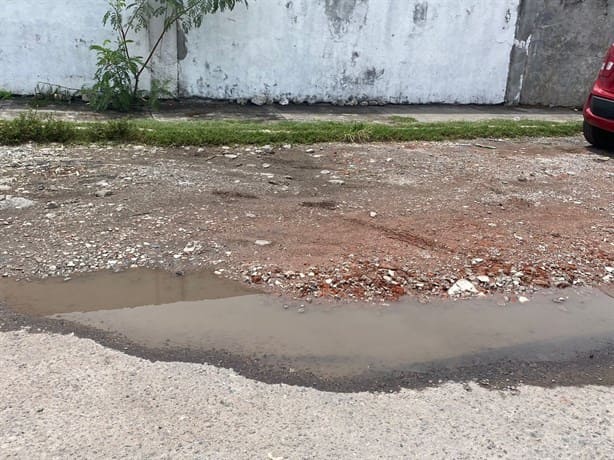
{"x": 103, "y": 193}
{"x": 262, "y": 243}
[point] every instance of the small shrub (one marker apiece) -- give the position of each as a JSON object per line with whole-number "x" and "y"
{"x": 119, "y": 70}
{"x": 29, "y": 127}
{"x": 57, "y": 131}
{"x": 4, "y": 94}
{"x": 121, "y": 129}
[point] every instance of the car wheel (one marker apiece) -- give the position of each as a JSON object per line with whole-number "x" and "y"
{"x": 597, "y": 136}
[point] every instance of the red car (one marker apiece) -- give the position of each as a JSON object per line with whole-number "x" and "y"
{"x": 599, "y": 108}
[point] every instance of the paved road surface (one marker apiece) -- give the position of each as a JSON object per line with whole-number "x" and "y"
{"x": 64, "y": 397}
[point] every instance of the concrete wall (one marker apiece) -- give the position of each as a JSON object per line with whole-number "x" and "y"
{"x": 342, "y": 51}
{"x": 44, "y": 40}
{"x": 410, "y": 51}
{"x": 560, "y": 45}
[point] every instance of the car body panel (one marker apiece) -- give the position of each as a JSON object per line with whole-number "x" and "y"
{"x": 599, "y": 107}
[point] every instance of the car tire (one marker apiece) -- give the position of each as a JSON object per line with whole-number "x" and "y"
{"x": 597, "y": 136}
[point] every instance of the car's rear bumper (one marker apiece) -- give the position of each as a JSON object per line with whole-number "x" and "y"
{"x": 599, "y": 112}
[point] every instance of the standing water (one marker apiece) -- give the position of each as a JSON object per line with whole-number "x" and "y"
{"x": 202, "y": 312}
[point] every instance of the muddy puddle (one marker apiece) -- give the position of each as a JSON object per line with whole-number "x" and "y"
{"x": 109, "y": 291}
{"x": 201, "y": 312}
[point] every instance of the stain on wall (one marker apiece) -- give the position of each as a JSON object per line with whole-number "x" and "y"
{"x": 182, "y": 44}
{"x": 421, "y": 12}
{"x": 340, "y": 14}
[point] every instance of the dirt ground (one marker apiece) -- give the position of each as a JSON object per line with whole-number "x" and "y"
{"x": 364, "y": 221}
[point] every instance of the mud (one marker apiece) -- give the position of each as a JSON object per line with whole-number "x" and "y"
{"x": 345, "y": 222}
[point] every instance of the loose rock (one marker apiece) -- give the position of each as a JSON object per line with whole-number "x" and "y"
{"x": 462, "y": 287}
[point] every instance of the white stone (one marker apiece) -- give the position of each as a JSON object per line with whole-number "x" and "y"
{"x": 262, "y": 243}
{"x": 15, "y": 202}
{"x": 258, "y": 100}
{"x": 462, "y": 287}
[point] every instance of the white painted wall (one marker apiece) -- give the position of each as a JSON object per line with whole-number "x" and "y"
{"x": 397, "y": 51}
{"x": 49, "y": 40}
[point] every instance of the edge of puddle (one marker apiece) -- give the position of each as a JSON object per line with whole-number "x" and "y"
{"x": 594, "y": 367}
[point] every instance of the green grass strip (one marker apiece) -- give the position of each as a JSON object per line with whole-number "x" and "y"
{"x": 32, "y": 128}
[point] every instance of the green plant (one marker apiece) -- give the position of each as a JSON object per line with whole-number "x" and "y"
{"x": 119, "y": 70}
{"x": 117, "y": 130}
{"x": 359, "y": 133}
{"x": 30, "y": 127}
{"x": 4, "y": 94}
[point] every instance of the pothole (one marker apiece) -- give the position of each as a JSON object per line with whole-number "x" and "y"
{"x": 200, "y": 312}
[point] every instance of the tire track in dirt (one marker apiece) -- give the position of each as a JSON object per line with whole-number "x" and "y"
{"x": 404, "y": 236}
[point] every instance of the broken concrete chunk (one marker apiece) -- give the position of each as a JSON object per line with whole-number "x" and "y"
{"x": 462, "y": 287}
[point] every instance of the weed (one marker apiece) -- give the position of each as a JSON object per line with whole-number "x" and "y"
{"x": 118, "y": 70}
{"x": 4, "y": 94}
{"x": 403, "y": 120}
{"x": 29, "y": 127}
{"x": 359, "y": 134}
{"x": 116, "y": 130}
{"x": 50, "y": 93}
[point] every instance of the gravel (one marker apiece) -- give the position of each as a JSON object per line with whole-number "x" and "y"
{"x": 64, "y": 397}
{"x": 351, "y": 222}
